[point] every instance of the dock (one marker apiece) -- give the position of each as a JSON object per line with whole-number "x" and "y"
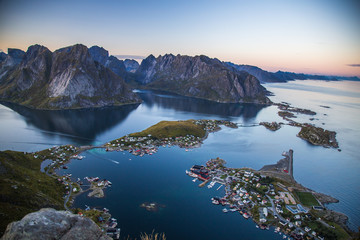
{"x": 204, "y": 183}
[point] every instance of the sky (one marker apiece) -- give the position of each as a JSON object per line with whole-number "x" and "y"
{"x": 309, "y": 36}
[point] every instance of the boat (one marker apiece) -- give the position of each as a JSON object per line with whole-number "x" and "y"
{"x": 233, "y": 209}
{"x": 246, "y": 215}
{"x": 194, "y": 180}
{"x": 211, "y": 185}
{"x": 225, "y": 210}
{"x": 191, "y": 174}
{"x": 215, "y": 201}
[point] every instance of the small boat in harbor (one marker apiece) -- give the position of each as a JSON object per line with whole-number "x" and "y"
{"x": 225, "y": 210}
{"x": 215, "y": 201}
{"x": 246, "y": 215}
{"x": 211, "y": 184}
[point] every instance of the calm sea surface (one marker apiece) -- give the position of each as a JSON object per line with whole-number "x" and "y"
{"x": 161, "y": 178}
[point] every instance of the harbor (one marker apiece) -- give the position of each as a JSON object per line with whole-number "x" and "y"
{"x": 266, "y": 197}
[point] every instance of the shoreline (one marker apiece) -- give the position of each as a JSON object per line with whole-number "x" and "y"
{"x": 210, "y": 126}
{"x": 250, "y": 191}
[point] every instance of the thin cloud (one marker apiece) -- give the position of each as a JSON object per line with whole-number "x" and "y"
{"x": 130, "y": 57}
{"x": 353, "y": 65}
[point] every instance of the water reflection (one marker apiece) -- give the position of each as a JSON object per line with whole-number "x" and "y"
{"x": 201, "y": 106}
{"x": 84, "y": 124}
{"x": 98, "y": 125}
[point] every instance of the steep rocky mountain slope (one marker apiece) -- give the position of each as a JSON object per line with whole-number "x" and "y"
{"x": 66, "y": 78}
{"x": 200, "y": 77}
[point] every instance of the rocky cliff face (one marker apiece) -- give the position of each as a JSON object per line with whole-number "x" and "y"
{"x": 51, "y": 224}
{"x": 200, "y": 77}
{"x": 10, "y": 60}
{"x": 131, "y": 65}
{"x": 101, "y": 55}
{"x": 66, "y": 78}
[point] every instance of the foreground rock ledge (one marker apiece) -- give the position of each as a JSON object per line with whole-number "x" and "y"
{"x": 48, "y": 223}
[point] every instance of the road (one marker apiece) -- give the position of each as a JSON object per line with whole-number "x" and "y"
{"x": 68, "y": 196}
{"x": 280, "y": 217}
{"x": 70, "y": 191}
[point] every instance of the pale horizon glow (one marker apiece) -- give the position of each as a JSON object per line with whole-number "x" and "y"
{"x": 305, "y": 36}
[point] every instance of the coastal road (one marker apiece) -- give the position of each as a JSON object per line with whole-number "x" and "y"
{"x": 68, "y": 196}
{"x": 274, "y": 210}
{"x": 280, "y": 217}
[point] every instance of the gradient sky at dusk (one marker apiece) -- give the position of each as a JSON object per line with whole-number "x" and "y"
{"x": 311, "y": 36}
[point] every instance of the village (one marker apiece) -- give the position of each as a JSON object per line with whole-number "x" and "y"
{"x": 267, "y": 200}
{"x": 148, "y": 144}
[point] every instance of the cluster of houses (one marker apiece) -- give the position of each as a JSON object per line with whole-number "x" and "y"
{"x": 97, "y": 182}
{"x": 213, "y": 125}
{"x": 105, "y": 221}
{"x": 58, "y": 156}
{"x": 252, "y": 195}
{"x": 142, "y": 145}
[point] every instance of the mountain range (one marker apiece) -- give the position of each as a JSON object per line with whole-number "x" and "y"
{"x": 200, "y": 77}
{"x": 264, "y": 76}
{"x": 69, "y": 77}
{"x": 81, "y": 77}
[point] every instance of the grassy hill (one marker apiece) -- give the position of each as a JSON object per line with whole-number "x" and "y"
{"x": 168, "y": 129}
{"x": 24, "y": 188}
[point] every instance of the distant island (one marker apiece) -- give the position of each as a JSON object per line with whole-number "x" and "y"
{"x": 281, "y": 76}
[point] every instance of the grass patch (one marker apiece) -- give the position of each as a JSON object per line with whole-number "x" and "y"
{"x": 24, "y": 188}
{"x": 170, "y": 129}
{"x": 307, "y": 198}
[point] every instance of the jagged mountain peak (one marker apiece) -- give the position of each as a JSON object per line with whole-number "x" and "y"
{"x": 67, "y": 78}
{"x": 99, "y": 54}
{"x": 200, "y": 77}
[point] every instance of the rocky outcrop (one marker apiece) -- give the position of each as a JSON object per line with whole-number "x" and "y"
{"x": 273, "y": 126}
{"x": 66, "y": 78}
{"x": 318, "y": 136}
{"x": 131, "y": 65}
{"x": 200, "y": 77}
{"x": 51, "y": 224}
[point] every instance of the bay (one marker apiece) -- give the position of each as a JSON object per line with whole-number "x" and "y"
{"x": 161, "y": 177}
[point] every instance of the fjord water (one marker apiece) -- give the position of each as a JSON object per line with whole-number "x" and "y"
{"x": 161, "y": 178}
